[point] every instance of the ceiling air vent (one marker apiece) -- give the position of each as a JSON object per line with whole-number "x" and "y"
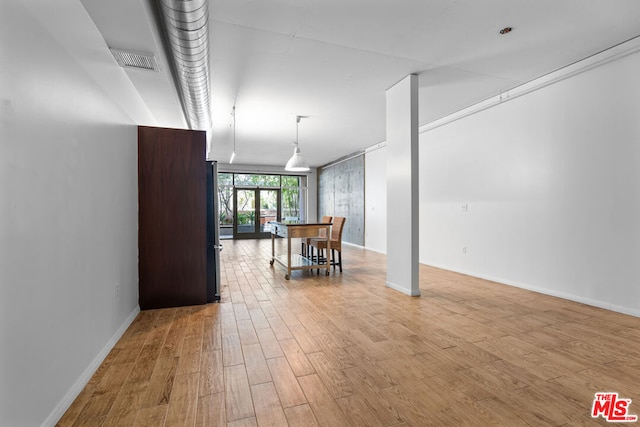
{"x": 141, "y": 61}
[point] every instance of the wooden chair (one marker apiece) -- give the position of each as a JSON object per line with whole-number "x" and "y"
{"x": 322, "y": 234}
{"x": 336, "y": 243}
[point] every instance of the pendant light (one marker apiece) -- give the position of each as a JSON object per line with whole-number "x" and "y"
{"x": 297, "y": 163}
{"x": 233, "y": 155}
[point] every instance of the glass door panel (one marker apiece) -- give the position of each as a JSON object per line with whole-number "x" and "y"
{"x": 269, "y": 203}
{"x": 244, "y": 224}
{"x": 291, "y": 202}
{"x": 225, "y": 212}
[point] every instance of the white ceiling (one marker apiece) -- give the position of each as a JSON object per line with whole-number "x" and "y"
{"x": 332, "y": 60}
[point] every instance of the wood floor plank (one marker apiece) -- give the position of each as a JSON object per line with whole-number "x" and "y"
{"x": 373, "y": 397}
{"x": 331, "y": 375}
{"x": 247, "y": 332}
{"x": 195, "y": 324}
{"x": 347, "y": 350}
{"x": 409, "y": 408}
{"x": 504, "y": 412}
{"x": 161, "y": 382}
{"x": 190, "y": 357}
{"x": 211, "y": 411}
{"x": 300, "y": 416}
{"x": 358, "y": 412}
{"x": 270, "y": 345}
{"x": 152, "y": 416}
{"x": 211, "y": 373}
{"x": 259, "y": 319}
{"x": 130, "y": 399}
{"x": 232, "y": 350}
{"x": 300, "y": 364}
{"x": 279, "y": 328}
{"x": 256, "y": 364}
{"x": 467, "y": 412}
{"x": 71, "y": 415}
{"x": 304, "y": 339}
{"x": 241, "y": 312}
{"x": 237, "y": 393}
{"x": 114, "y": 378}
{"x": 172, "y": 346}
{"x": 184, "y": 400}
{"x": 96, "y": 408}
{"x": 212, "y": 339}
{"x": 145, "y": 363}
{"x": 247, "y": 422}
{"x": 376, "y": 375}
{"x": 285, "y": 382}
{"x": 324, "y": 407}
{"x": 268, "y": 409}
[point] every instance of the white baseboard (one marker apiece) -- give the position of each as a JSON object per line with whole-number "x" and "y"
{"x": 625, "y": 310}
{"x": 546, "y": 291}
{"x": 82, "y": 381}
{"x": 404, "y": 290}
{"x": 375, "y": 250}
{"x": 353, "y": 245}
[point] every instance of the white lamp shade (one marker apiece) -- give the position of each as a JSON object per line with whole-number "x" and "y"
{"x": 297, "y": 163}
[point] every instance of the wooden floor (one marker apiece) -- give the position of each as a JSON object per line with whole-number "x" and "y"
{"x": 344, "y": 350}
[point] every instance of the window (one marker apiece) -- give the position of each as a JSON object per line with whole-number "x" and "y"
{"x": 289, "y": 193}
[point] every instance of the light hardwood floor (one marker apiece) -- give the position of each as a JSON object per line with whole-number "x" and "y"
{"x": 344, "y": 350}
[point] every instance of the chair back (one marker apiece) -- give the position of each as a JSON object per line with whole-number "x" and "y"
{"x": 325, "y": 220}
{"x": 336, "y": 229}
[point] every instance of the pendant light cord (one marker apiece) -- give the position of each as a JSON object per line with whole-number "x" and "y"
{"x": 233, "y": 154}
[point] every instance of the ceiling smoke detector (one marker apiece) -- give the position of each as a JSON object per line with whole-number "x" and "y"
{"x": 130, "y": 59}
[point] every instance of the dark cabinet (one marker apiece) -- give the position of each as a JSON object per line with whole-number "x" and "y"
{"x": 172, "y": 218}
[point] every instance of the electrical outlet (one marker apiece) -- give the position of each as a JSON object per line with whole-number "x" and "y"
{"x": 464, "y": 249}
{"x": 117, "y": 289}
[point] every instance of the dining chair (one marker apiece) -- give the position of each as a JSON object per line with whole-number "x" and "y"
{"x": 322, "y": 233}
{"x": 336, "y": 243}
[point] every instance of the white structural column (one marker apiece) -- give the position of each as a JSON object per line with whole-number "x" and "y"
{"x": 402, "y": 186}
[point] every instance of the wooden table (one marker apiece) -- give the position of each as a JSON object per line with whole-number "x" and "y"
{"x": 291, "y": 231}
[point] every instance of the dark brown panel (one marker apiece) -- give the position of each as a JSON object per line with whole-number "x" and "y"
{"x": 172, "y": 217}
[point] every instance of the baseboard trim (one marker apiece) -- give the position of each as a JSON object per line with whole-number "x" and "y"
{"x": 546, "y": 291}
{"x": 379, "y": 251}
{"x": 411, "y": 293}
{"x": 82, "y": 381}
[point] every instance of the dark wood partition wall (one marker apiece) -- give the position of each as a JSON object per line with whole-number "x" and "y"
{"x": 172, "y": 217}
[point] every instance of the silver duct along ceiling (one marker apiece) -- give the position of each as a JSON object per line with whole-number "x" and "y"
{"x": 185, "y": 27}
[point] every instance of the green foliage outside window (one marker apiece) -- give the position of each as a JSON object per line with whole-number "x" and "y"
{"x": 290, "y": 190}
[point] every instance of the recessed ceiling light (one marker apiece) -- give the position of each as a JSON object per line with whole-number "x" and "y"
{"x": 506, "y": 30}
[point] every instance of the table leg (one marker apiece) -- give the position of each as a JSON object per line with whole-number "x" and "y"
{"x": 328, "y": 252}
{"x": 288, "y": 257}
{"x": 273, "y": 248}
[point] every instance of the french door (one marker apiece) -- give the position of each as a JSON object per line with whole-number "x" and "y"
{"x": 253, "y": 209}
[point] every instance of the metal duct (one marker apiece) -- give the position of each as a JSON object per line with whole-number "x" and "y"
{"x": 186, "y": 30}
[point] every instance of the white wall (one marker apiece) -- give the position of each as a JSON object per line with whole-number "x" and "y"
{"x": 375, "y": 197}
{"x": 551, "y": 181}
{"x": 68, "y": 216}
